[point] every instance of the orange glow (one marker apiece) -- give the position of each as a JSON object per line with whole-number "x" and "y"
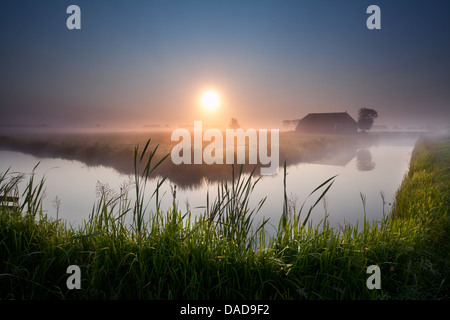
{"x": 210, "y": 100}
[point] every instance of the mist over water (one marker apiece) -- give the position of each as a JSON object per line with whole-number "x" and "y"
{"x": 369, "y": 168}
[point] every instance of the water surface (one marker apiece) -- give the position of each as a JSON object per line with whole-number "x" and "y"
{"x": 370, "y": 172}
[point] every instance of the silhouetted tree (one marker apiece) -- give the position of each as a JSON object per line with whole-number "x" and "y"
{"x": 234, "y": 124}
{"x": 365, "y": 118}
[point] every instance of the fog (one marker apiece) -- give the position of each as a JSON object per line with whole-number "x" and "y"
{"x": 115, "y": 149}
{"x": 145, "y": 65}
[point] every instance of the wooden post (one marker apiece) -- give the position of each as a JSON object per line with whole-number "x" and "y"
{"x": 8, "y": 201}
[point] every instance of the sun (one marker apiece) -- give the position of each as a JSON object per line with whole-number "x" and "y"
{"x": 210, "y": 100}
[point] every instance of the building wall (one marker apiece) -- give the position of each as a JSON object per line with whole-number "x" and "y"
{"x": 325, "y": 125}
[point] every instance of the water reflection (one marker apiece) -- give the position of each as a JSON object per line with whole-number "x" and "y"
{"x": 72, "y": 187}
{"x": 94, "y": 152}
{"x": 343, "y": 204}
{"x": 364, "y": 160}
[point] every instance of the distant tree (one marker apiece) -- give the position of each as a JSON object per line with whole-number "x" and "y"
{"x": 287, "y": 123}
{"x": 234, "y": 124}
{"x": 290, "y": 123}
{"x": 365, "y": 118}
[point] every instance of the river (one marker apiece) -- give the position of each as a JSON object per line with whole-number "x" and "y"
{"x": 72, "y": 188}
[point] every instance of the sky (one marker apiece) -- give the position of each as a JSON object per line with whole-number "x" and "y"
{"x": 136, "y": 63}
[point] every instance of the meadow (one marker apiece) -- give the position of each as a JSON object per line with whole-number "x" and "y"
{"x": 221, "y": 255}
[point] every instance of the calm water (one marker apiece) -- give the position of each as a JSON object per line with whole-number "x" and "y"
{"x": 370, "y": 171}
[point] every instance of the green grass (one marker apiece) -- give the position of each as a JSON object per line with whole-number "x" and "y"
{"x": 221, "y": 254}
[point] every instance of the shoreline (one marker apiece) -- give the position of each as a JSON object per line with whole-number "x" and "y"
{"x": 175, "y": 260}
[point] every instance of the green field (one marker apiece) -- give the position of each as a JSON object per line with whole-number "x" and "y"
{"x": 217, "y": 256}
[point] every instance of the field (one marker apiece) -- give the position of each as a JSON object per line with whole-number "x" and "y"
{"x": 217, "y": 256}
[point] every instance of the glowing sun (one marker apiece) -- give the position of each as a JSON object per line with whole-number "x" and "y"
{"x": 210, "y": 100}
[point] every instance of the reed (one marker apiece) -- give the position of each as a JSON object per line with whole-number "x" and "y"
{"x": 221, "y": 254}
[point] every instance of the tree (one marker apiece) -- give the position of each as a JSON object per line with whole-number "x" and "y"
{"x": 234, "y": 124}
{"x": 365, "y": 118}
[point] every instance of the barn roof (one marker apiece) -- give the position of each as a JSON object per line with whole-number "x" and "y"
{"x": 334, "y": 117}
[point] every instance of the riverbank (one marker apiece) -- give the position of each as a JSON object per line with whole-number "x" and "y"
{"x": 215, "y": 257}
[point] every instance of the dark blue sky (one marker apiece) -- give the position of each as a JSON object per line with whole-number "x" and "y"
{"x": 146, "y": 62}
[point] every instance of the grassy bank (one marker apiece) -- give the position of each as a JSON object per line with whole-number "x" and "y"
{"x": 167, "y": 255}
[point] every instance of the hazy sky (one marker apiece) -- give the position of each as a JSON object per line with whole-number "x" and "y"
{"x": 148, "y": 62}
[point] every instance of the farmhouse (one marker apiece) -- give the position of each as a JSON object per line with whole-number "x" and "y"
{"x": 327, "y": 123}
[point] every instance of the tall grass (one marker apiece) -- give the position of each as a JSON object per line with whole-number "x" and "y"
{"x": 141, "y": 179}
{"x": 221, "y": 254}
